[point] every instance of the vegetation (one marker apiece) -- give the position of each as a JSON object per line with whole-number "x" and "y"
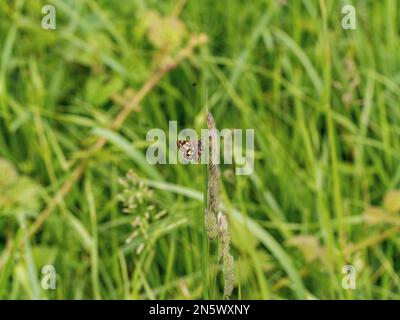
{"x": 76, "y": 191}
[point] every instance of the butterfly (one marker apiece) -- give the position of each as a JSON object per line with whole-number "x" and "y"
{"x": 191, "y": 150}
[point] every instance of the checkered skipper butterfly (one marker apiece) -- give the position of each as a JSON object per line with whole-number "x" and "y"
{"x": 191, "y": 150}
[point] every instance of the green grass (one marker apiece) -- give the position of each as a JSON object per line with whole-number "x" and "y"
{"x": 324, "y": 104}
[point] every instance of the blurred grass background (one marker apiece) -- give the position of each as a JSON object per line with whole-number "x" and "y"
{"x": 324, "y": 103}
